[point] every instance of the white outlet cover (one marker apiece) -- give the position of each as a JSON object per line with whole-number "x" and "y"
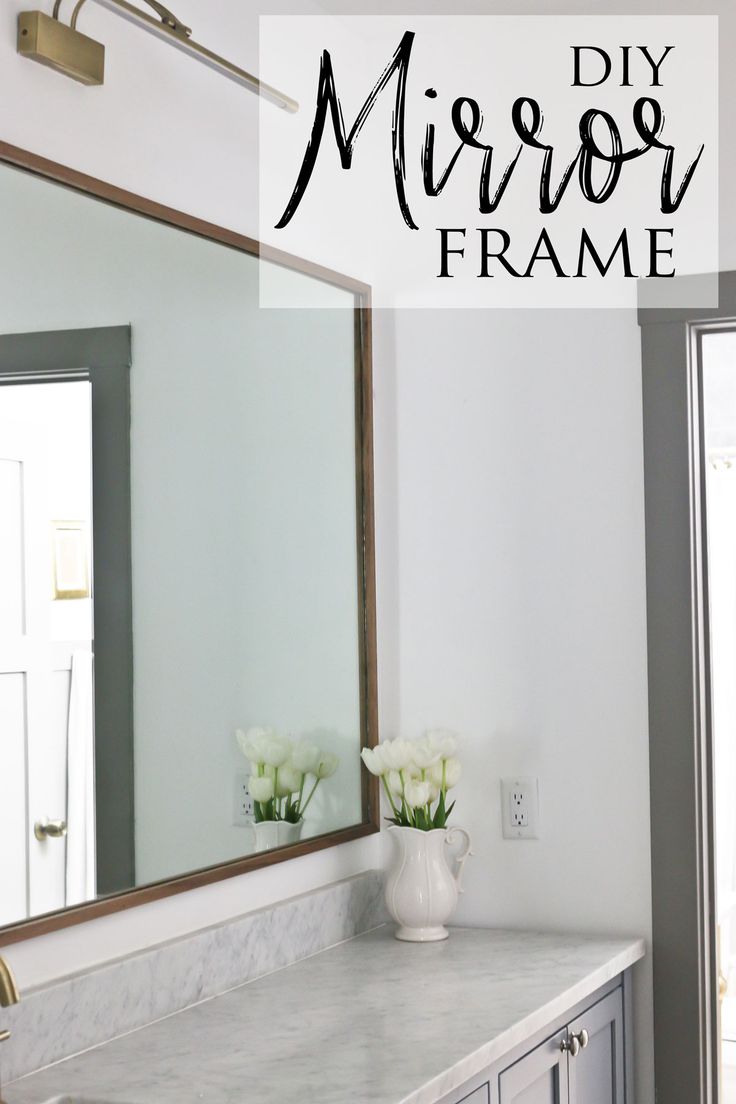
{"x": 242, "y": 801}
{"x": 520, "y": 808}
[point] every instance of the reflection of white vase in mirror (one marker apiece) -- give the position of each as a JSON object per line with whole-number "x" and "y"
{"x": 276, "y": 833}
{"x": 283, "y": 780}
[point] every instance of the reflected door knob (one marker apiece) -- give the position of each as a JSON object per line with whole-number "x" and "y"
{"x": 49, "y": 829}
{"x": 576, "y": 1042}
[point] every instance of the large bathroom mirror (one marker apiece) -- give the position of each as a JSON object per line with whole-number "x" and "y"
{"x": 187, "y": 595}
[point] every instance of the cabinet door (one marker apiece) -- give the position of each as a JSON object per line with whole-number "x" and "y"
{"x": 597, "y": 1073}
{"x": 479, "y": 1096}
{"x": 540, "y": 1077}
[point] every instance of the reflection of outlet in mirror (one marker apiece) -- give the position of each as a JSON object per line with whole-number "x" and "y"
{"x": 520, "y": 808}
{"x": 242, "y": 801}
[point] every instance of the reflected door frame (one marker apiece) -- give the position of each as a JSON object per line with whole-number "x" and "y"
{"x": 684, "y": 906}
{"x": 102, "y": 356}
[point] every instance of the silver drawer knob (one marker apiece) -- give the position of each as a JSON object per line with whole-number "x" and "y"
{"x": 49, "y": 829}
{"x": 576, "y": 1042}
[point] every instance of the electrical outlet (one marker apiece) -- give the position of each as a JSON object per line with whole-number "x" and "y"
{"x": 242, "y": 801}
{"x": 520, "y": 808}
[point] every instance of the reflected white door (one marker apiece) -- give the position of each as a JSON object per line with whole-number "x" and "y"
{"x": 33, "y": 702}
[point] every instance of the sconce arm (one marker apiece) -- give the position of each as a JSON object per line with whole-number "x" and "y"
{"x": 167, "y": 17}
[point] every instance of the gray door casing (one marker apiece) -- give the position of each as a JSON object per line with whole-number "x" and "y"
{"x": 686, "y": 1028}
{"x": 103, "y": 356}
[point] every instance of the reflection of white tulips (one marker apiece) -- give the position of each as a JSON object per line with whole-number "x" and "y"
{"x": 279, "y": 771}
{"x": 416, "y": 775}
{"x": 327, "y": 765}
{"x": 288, "y": 779}
{"x": 260, "y": 788}
{"x": 253, "y": 742}
{"x": 305, "y": 757}
{"x": 276, "y": 750}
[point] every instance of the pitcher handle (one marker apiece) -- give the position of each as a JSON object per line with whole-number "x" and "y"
{"x": 462, "y": 858}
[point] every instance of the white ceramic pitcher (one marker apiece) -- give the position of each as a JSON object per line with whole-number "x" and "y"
{"x": 421, "y": 891}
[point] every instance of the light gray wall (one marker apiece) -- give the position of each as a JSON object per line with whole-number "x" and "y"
{"x": 522, "y": 605}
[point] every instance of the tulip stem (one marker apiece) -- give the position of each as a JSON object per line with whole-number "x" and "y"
{"x": 404, "y": 805}
{"x": 301, "y": 793}
{"x": 311, "y": 795}
{"x": 389, "y": 795}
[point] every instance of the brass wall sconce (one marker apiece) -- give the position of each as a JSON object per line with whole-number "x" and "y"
{"x": 62, "y": 47}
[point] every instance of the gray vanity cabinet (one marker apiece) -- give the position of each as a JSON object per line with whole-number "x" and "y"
{"x": 540, "y": 1077}
{"x": 581, "y": 1058}
{"x": 582, "y": 1064}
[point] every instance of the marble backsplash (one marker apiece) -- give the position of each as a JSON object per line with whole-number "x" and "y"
{"x": 84, "y": 1010}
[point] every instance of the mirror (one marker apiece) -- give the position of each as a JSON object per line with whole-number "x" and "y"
{"x": 186, "y": 552}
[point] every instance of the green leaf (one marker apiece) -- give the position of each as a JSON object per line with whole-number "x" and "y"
{"x": 440, "y": 815}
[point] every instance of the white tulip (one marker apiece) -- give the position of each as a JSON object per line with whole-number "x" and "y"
{"x": 305, "y": 757}
{"x": 289, "y": 780}
{"x": 373, "y": 759}
{"x": 394, "y": 781}
{"x": 396, "y": 754}
{"x": 327, "y": 765}
{"x": 443, "y": 741}
{"x": 395, "y": 785}
{"x": 260, "y": 788}
{"x": 417, "y": 793}
{"x": 423, "y": 755}
{"x": 275, "y": 749}
{"x": 252, "y": 742}
{"x": 452, "y": 772}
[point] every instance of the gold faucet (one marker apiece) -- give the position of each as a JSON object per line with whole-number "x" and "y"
{"x": 8, "y": 989}
{"x": 8, "y": 995}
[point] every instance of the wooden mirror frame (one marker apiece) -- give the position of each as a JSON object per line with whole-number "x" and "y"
{"x": 37, "y": 166}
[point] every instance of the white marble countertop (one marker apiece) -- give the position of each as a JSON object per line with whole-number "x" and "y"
{"x": 372, "y": 1021}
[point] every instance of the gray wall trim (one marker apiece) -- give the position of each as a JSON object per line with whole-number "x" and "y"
{"x": 689, "y": 291}
{"x": 63, "y": 351}
{"x": 686, "y": 1025}
{"x": 102, "y": 355}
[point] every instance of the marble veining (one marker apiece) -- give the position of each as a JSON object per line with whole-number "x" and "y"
{"x": 82, "y": 1011}
{"x": 372, "y": 1020}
